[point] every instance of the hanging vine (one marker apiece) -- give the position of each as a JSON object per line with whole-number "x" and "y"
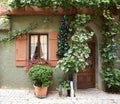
{"x": 18, "y": 33}
{"x": 74, "y": 59}
{"x": 64, "y": 3}
{"x": 109, "y": 52}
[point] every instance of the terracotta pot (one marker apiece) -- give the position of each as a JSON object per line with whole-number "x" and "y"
{"x": 41, "y": 92}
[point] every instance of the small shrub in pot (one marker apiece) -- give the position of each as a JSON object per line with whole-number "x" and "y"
{"x": 41, "y": 76}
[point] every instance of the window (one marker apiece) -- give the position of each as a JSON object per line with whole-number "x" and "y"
{"x": 42, "y": 41}
{"x": 38, "y": 46}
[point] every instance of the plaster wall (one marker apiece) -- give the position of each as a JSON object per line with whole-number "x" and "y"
{"x": 16, "y": 77}
{"x": 96, "y": 26}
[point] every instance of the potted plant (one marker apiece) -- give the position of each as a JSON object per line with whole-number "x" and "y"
{"x": 64, "y": 86}
{"x": 41, "y": 76}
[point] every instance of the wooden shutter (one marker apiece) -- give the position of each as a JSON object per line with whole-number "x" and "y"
{"x": 21, "y": 51}
{"x": 53, "y": 48}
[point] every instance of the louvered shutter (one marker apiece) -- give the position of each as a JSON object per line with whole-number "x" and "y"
{"x": 53, "y": 48}
{"x": 21, "y": 51}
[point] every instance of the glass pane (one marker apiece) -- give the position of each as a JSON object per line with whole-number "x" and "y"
{"x": 34, "y": 40}
{"x": 43, "y": 46}
{"x": 90, "y": 64}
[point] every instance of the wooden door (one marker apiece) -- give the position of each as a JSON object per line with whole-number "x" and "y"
{"x": 86, "y": 78}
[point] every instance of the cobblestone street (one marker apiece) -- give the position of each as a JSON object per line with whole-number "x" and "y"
{"x": 89, "y": 96}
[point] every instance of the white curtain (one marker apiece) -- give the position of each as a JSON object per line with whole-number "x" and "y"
{"x": 42, "y": 46}
{"x": 43, "y": 41}
{"x": 34, "y": 40}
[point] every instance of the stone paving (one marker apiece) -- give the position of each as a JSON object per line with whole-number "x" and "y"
{"x": 89, "y": 96}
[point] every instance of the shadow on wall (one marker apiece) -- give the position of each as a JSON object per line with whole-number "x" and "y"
{"x": 57, "y": 73}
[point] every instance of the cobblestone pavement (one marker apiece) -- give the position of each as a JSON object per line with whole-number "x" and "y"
{"x": 89, "y": 96}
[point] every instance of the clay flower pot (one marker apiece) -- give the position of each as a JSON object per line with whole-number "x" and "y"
{"x": 40, "y": 92}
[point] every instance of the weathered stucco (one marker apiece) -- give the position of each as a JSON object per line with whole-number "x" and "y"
{"x": 11, "y": 76}
{"x": 96, "y": 26}
{"x": 16, "y": 77}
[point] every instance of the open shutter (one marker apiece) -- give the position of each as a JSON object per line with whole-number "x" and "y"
{"x": 21, "y": 51}
{"x": 53, "y": 48}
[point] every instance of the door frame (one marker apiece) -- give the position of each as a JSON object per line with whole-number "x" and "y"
{"x": 90, "y": 28}
{"x": 89, "y": 73}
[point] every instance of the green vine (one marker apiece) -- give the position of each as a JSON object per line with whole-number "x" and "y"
{"x": 74, "y": 59}
{"x": 63, "y": 37}
{"x": 65, "y": 3}
{"x": 18, "y": 33}
{"x": 109, "y": 52}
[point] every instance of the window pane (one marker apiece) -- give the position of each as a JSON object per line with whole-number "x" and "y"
{"x": 38, "y": 47}
{"x": 43, "y": 46}
{"x": 34, "y": 40}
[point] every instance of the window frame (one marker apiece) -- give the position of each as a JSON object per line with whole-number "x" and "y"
{"x": 38, "y": 37}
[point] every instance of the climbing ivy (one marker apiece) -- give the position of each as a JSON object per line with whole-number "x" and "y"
{"x": 109, "y": 52}
{"x": 18, "y": 33}
{"x": 63, "y": 37}
{"x": 74, "y": 59}
{"x": 65, "y": 3}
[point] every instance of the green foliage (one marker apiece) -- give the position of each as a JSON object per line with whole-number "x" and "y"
{"x": 25, "y": 3}
{"x": 74, "y": 59}
{"x": 106, "y": 14}
{"x": 5, "y": 20}
{"x": 66, "y": 3}
{"x": 18, "y": 33}
{"x": 41, "y": 75}
{"x": 63, "y": 37}
{"x": 63, "y": 84}
{"x": 16, "y": 4}
{"x": 109, "y": 52}
{"x": 112, "y": 78}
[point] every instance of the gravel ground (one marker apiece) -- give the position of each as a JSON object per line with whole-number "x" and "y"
{"x": 88, "y": 96}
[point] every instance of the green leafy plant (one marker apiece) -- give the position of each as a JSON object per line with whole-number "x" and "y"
{"x": 38, "y": 3}
{"x": 66, "y": 3}
{"x": 63, "y": 84}
{"x": 109, "y": 52}
{"x": 112, "y": 79}
{"x": 18, "y": 33}
{"x": 41, "y": 76}
{"x": 17, "y": 3}
{"x": 74, "y": 59}
{"x": 63, "y": 37}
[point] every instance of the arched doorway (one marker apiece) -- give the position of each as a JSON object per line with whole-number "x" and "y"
{"x": 86, "y": 78}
